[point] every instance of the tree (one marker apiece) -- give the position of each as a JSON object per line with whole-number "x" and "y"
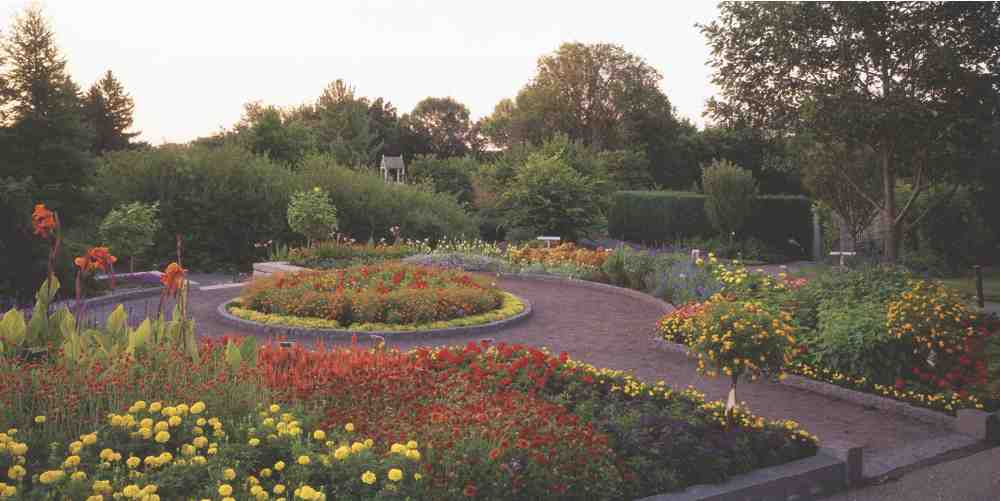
{"x": 447, "y": 175}
{"x": 599, "y": 94}
{"x": 129, "y": 229}
{"x": 840, "y": 176}
{"x": 910, "y": 80}
{"x": 385, "y": 124}
{"x": 311, "y": 214}
{"x": 341, "y": 124}
{"x": 109, "y": 112}
{"x": 438, "y": 126}
{"x": 47, "y": 138}
{"x": 271, "y": 131}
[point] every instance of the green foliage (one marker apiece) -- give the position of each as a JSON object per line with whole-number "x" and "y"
{"x": 657, "y": 216}
{"x": 367, "y": 207}
{"x": 875, "y": 284}
{"x": 730, "y": 195}
{"x": 109, "y": 113}
{"x": 311, "y": 214}
{"x": 951, "y": 236}
{"x": 447, "y": 175}
{"x": 782, "y": 223}
{"x": 852, "y": 338}
{"x": 437, "y": 126}
{"x": 549, "y": 197}
{"x": 220, "y": 200}
{"x": 129, "y": 229}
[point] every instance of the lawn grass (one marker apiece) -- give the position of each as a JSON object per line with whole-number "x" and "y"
{"x": 968, "y": 284}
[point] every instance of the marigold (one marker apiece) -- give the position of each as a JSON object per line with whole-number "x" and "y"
{"x": 368, "y": 477}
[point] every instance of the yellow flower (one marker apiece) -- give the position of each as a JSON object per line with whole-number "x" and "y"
{"x": 274, "y": 408}
{"x": 319, "y": 435}
{"x": 278, "y": 489}
{"x": 280, "y": 465}
{"x": 368, "y": 477}
{"x": 16, "y": 472}
{"x": 254, "y": 442}
{"x": 155, "y": 407}
{"x": 414, "y": 454}
{"x": 174, "y": 421}
{"x": 132, "y": 461}
{"x": 350, "y": 427}
{"x": 303, "y": 460}
{"x": 40, "y": 419}
{"x": 398, "y": 448}
{"x": 71, "y": 461}
{"x": 51, "y": 476}
{"x": 342, "y": 452}
{"x": 412, "y": 444}
{"x": 395, "y": 474}
{"x": 418, "y": 476}
{"x": 162, "y": 437}
{"x": 197, "y": 408}
{"x": 78, "y": 475}
{"x": 225, "y": 490}
{"x": 228, "y": 474}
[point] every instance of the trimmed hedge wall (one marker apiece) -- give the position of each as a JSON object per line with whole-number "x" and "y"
{"x": 663, "y": 216}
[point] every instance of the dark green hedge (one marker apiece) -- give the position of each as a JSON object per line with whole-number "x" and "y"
{"x": 664, "y": 216}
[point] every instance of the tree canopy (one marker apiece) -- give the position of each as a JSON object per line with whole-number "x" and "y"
{"x": 912, "y": 80}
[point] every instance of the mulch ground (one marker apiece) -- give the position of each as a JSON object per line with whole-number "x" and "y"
{"x": 616, "y": 331}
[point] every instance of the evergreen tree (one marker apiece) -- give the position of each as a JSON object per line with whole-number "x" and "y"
{"x": 109, "y": 112}
{"x": 47, "y": 138}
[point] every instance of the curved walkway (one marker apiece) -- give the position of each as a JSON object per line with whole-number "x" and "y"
{"x": 609, "y": 329}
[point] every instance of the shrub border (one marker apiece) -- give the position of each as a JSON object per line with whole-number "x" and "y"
{"x": 305, "y": 334}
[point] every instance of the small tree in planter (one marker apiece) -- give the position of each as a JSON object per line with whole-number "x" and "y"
{"x": 311, "y": 214}
{"x": 730, "y": 194}
{"x": 741, "y": 339}
{"x": 129, "y": 229}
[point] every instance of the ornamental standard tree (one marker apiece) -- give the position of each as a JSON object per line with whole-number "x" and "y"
{"x": 311, "y": 214}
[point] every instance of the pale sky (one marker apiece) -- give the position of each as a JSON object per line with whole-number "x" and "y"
{"x": 191, "y": 65}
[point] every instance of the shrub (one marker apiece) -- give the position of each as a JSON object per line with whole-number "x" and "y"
{"x": 730, "y": 195}
{"x": 311, "y": 214}
{"x": 851, "y": 337}
{"x": 390, "y": 293}
{"x": 548, "y": 197}
{"x": 220, "y": 200}
{"x": 447, "y": 175}
{"x": 682, "y": 282}
{"x": 671, "y": 216}
{"x": 367, "y": 206}
{"x": 129, "y": 229}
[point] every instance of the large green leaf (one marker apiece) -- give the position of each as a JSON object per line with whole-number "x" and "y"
{"x": 233, "y": 356}
{"x": 117, "y": 323}
{"x": 139, "y": 336}
{"x": 13, "y": 327}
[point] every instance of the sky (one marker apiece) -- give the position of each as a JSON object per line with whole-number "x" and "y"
{"x": 191, "y": 65}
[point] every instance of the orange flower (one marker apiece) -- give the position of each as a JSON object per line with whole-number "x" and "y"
{"x": 172, "y": 277}
{"x": 43, "y": 220}
{"x": 97, "y": 258}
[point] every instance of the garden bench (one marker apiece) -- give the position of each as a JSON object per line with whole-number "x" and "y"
{"x": 549, "y": 240}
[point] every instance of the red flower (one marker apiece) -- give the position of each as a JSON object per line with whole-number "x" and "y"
{"x": 899, "y": 384}
{"x": 469, "y": 491}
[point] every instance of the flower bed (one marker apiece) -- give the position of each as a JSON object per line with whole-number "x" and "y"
{"x": 480, "y": 421}
{"x": 510, "y": 306}
{"x": 875, "y": 331}
{"x": 390, "y": 293}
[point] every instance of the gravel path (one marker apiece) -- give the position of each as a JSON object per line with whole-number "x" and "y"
{"x": 616, "y": 331}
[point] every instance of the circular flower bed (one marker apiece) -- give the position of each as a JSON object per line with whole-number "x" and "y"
{"x": 386, "y": 296}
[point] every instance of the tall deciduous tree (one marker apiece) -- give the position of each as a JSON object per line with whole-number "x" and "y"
{"x": 47, "y": 137}
{"x": 897, "y": 77}
{"x": 438, "y": 126}
{"x": 596, "y": 93}
{"x": 109, "y": 111}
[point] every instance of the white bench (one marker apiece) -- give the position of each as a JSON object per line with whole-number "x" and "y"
{"x": 549, "y": 240}
{"x": 842, "y": 255}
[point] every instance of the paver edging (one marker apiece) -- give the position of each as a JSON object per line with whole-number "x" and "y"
{"x": 116, "y": 297}
{"x": 664, "y": 306}
{"x": 306, "y": 335}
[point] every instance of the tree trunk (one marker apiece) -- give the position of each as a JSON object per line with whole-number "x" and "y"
{"x": 890, "y": 240}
